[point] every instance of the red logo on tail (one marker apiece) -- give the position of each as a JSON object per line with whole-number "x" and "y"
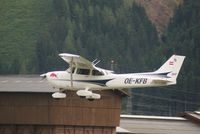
{"x": 171, "y": 63}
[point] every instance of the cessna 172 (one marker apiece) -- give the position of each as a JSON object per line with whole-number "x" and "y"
{"x": 84, "y": 77}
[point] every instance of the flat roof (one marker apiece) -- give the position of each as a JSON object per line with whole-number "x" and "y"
{"x": 141, "y": 124}
{"x": 30, "y": 83}
{"x": 24, "y": 83}
{"x": 151, "y": 117}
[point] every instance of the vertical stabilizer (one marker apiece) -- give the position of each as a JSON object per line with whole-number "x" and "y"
{"x": 172, "y": 67}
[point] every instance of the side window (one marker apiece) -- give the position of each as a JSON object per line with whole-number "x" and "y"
{"x": 96, "y": 73}
{"x": 83, "y": 71}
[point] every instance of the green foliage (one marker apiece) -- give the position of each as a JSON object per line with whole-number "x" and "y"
{"x": 21, "y": 23}
{"x": 34, "y": 32}
{"x": 182, "y": 37}
{"x": 99, "y": 29}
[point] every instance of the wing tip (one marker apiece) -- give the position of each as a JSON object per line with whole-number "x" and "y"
{"x": 68, "y": 55}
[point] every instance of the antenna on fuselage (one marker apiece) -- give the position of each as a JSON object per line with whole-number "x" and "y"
{"x": 95, "y": 63}
{"x": 112, "y": 64}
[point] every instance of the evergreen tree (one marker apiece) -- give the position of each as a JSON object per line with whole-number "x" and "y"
{"x": 183, "y": 38}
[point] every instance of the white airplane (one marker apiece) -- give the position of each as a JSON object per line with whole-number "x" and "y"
{"x": 83, "y": 76}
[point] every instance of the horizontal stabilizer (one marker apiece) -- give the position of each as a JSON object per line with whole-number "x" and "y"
{"x": 160, "y": 82}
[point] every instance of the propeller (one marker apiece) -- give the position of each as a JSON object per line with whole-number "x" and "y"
{"x": 43, "y": 76}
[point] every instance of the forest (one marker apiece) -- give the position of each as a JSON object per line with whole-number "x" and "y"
{"x": 33, "y": 33}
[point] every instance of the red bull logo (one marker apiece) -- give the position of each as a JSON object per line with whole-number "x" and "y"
{"x": 53, "y": 75}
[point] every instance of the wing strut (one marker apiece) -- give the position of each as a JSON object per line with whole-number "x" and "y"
{"x": 71, "y": 75}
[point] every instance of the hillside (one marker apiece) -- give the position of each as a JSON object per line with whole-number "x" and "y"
{"x": 34, "y": 32}
{"x": 160, "y": 11}
{"x": 181, "y": 37}
{"x": 21, "y": 23}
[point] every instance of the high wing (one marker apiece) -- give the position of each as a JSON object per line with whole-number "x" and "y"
{"x": 76, "y": 60}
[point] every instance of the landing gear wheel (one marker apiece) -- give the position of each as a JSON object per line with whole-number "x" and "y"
{"x": 91, "y": 99}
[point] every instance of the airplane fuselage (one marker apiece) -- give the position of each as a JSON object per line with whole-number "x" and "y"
{"x": 62, "y": 80}
{"x": 83, "y": 76}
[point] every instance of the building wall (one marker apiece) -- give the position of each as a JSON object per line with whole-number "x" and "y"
{"x": 54, "y": 129}
{"x": 39, "y": 111}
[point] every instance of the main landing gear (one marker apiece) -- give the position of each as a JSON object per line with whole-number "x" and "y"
{"x": 81, "y": 93}
{"x": 88, "y": 95}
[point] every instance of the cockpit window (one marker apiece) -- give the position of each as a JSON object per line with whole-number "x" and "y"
{"x": 96, "y": 73}
{"x": 83, "y": 71}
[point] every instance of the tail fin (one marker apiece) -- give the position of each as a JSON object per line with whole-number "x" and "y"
{"x": 172, "y": 67}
